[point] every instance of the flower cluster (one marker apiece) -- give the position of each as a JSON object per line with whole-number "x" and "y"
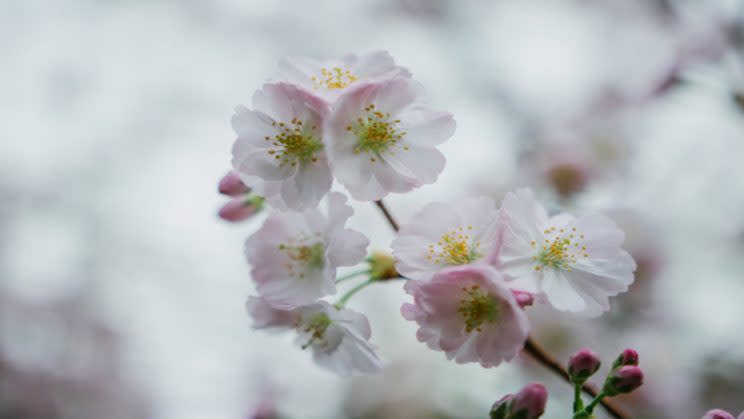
{"x": 361, "y": 120}
{"x": 475, "y": 267}
{"x": 471, "y": 268}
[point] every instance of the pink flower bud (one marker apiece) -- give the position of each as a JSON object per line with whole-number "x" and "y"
{"x": 530, "y": 402}
{"x": 231, "y": 185}
{"x": 582, "y": 365}
{"x": 523, "y": 298}
{"x": 627, "y": 357}
{"x": 718, "y": 414}
{"x": 623, "y": 380}
{"x": 239, "y": 209}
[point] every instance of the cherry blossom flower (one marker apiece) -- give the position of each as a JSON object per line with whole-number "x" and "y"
{"x": 338, "y": 338}
{"x": 468, "y": 313}
{"x": 577, "y": 263}
{"x": 382, "y": 138}
{"x": 443, "y": 235}
{"x": 329, "y": 79}
{"x": 294, "y": 255}
{"x": 281, "y": 141}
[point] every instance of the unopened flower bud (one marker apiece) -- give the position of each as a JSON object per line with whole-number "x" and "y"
{"x": 627, "y": 357}
{"x": 718, "y": 414}
{"x": 241, "y": 208}
{"x": 500, "y": 409}
{"x": 523, "y": 298}
{"x": 623, "y": 380}
{"x": 582, "y": 365}
{"x": 231, "y": 185}
{"x": 529, "y": 403}
{"x": 382, "y": 266}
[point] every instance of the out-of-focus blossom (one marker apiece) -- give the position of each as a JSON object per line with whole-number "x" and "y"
{"x": 571, "y": 157}
{"x": 717, "y": 414}
{"x": 331, "y": 78}
{"x": 382, "y": 138}
{"x": 582, "y": 365}
{"x": 58, "y": 360}
{"x": 468, "y": 313}
{"x": 281, "y": 140}
{"x": 339, "y": 338}
{"x": 231, "y": 185}
{"x": 566, "y": 167}
{"x": 241, "y": 208}
{"x": 528, "y": 403}
{"x": 442, "y": 235}
{"x": 623, "y": 380}
{"x": 577, "y": 263}
{"x": 294, "y": 255}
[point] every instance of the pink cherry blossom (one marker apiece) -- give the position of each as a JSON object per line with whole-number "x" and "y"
{"x": 382, "y": 139}
{"x": 240, "y": 208}
{"x": 294, "y": 255}
{"x": 442, "y": 235}
{"x": 329, "y": 79}
{"x": 281, "y": 141}
{"x": 576, "y": 263}
{"x": 338, "y": 338}
{"x": 468, "y": 313}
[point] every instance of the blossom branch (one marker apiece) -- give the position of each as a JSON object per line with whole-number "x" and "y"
{"x": 536, "y": 351}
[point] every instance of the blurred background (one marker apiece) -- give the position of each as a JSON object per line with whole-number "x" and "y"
{"x": 121, "y": 292}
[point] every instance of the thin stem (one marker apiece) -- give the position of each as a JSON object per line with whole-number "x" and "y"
{"x": 350, "y": 293}
{"x": 388, "y": 216}
{"x": 590, "y": 407}
{"x": 547, "y": 360}
{"x": 532, "y": 348}
{"x": 351, "y": 275}
{"x": 578, "y": 404}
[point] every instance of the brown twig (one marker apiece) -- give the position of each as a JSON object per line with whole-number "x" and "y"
{"x": 386, "y": 213}
{"x": 536, "y": 351}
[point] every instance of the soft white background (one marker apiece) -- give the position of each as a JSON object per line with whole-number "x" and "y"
{"x": 114, "y": 129}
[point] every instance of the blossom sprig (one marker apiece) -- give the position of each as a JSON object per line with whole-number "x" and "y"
{"x": 625, "y": 377}
{"x": 529, "y": 403}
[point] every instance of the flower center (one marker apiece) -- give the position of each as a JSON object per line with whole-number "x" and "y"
{"x": 376, "y": 133}
{"x": 560, "y": 250}
{"x": 316, "y": 328}
{"x": 335, "y": 78}
{"x": 455, "y": 247}
{"x": 295, "y": 143}
{"x": 303, "y": 258}
{"x": 477, "y": 308}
